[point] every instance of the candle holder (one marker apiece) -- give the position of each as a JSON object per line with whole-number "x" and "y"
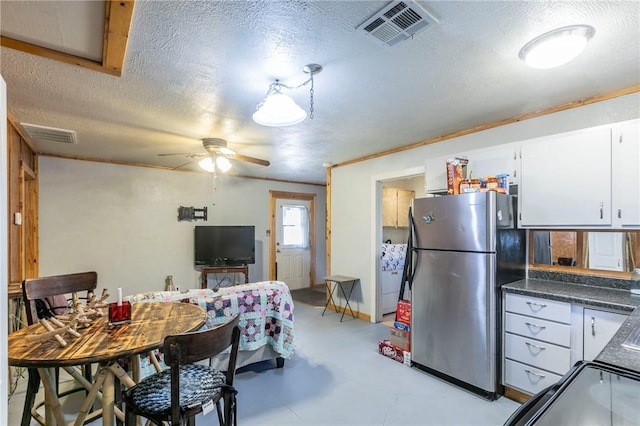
{"x": 119, "y": 315}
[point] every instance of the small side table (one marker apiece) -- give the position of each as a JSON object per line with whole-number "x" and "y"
{"x": 340, "y": 281}
{"x": 205, "y": 270}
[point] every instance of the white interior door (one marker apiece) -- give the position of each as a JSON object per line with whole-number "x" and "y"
{"x": 293, "y": 251}
{"x": 606, "y": 251}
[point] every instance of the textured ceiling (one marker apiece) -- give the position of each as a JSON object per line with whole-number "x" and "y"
{"x": 196, "y": 69}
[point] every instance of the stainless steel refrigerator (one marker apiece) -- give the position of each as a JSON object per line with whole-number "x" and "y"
{"x": 466, "y": 246}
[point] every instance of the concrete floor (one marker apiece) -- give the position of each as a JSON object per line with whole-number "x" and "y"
{"x": 337, "y": 377}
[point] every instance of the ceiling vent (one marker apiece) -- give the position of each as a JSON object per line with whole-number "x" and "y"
{"x": 398, "y": 21}
{"x": 49, "y": 134}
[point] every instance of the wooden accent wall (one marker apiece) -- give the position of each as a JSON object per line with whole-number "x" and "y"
{"x": 23, "y": 199}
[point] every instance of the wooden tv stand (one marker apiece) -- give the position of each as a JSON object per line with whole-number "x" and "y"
{"x": 243, "y": 269}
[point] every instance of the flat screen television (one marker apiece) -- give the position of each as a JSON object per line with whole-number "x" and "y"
{"x": 225, "y": 245}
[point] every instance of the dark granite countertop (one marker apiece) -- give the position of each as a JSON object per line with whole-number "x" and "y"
{"x": 596, "y": 296}
{"x": 610, "y": 299}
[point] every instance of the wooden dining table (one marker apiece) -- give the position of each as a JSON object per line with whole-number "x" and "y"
{"x": 102, "y": 344}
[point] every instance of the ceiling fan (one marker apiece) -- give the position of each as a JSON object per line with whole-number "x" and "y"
{"x": 217, "y": 156}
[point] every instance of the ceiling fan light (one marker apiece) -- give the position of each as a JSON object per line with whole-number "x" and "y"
{"x": 556, "y": 47}
{"x": 223, "y": 164}
{"x": 207, "y": 164}
{"x": 277, "y": 110}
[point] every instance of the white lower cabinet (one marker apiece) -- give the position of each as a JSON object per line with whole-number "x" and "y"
{"x": 527, "y": 378}
{"x": 598, "y": 328}
{"x": 543, "y": 338}
{"x": 537, "y": 342}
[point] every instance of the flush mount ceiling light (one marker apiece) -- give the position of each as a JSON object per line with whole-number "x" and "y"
{"x": 277, "y": 109}
{"x": 556, "y": 47}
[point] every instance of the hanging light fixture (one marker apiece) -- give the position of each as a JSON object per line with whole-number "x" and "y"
{"x": 221, "y": 163}
{"x": 277, "y": 109}
{"x": 556, "y": 47}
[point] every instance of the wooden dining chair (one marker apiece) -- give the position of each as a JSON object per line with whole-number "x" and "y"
{"x": 178, "y": 393}
{"x": 34, "y": 292}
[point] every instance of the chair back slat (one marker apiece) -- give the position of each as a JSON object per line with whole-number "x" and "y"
{"x": 199, "y": 345}
{"x": 41, "y": 287}
{"x": 187, "y": 348}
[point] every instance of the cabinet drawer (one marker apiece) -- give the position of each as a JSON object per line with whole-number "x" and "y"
{"x": 536, "y": 328}
{"x": 539, "y": 308}
{"x": 526, "y": 378}
{"x": 538, "y": 354}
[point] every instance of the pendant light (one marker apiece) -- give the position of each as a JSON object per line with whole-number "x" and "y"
{"x": 277, "y": 109}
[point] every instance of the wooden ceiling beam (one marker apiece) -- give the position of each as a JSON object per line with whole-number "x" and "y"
{"x": 117, "y": 24}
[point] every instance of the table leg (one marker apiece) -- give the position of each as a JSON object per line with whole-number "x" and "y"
{"x": 91, "y": 397}
{"x": 52, "y": 406}
{"x": 346, "y": 298}
{"x": 330, "y": 299}
{"x": 108, "y": 398}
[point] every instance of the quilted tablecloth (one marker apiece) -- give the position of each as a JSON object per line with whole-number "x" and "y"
{"x": 265, "y": 308}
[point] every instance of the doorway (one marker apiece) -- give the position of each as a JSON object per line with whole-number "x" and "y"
{"x": 388, "y": 282}
{"x": 292, "y": 238}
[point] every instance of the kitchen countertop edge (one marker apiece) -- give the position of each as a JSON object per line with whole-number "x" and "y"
{"x": 621, "y": 301}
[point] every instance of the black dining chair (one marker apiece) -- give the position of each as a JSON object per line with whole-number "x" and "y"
{"x": 35, "y": 293}
{"x": 178, "y": 393}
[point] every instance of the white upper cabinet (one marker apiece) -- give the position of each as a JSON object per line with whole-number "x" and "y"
{"x": 483, "y": 162}
{"x": 626, "y": 174}
{"x": 566, "y": 179}
{"x": 495, "y": 160}
{"x": 435, "y": 175}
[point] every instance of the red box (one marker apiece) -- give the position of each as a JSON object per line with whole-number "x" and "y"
{"x": 403, "y": 312}
{"x": 390, "y": 351}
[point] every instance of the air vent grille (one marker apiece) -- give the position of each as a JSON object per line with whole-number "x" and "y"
{"x": 397, "y": 21}
{"x": 49, "y": 134}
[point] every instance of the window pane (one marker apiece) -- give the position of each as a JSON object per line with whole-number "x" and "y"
{"x": 293, "y": 229}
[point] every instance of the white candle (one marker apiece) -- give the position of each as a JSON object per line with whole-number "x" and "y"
{"x": 119, "y": 296}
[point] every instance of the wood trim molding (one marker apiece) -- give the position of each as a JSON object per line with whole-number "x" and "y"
{"x": 328, "y": 222}
{"x": 331, "y": 308}
{"x": 516, "y": 395}
{"x": 273, "y": 196}
{"x": 117, "y": 25}
{"x": 514, "y": 119}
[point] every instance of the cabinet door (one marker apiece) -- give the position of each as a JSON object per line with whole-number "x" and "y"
{"x": 495, "y": 160}
{"x": 565, "y": 179}
{"x": 435, "y": 175}
{"x": 389, "y": 207}
{"x": 404, "y": 201}
{"x": 626, "y": 174}
{"x": 598, "y": 328}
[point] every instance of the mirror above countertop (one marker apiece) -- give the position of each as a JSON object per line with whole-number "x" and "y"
{"x": 602, "y": 252}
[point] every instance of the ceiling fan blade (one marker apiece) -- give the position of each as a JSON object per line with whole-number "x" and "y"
{"x": 182, "y": 165}
{"x": 176, "y": 153}
{"x": 248, "y": 159}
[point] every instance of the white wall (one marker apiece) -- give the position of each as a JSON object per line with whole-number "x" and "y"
{"x": 353, "y": 204}
{"x": 121, "y": 221}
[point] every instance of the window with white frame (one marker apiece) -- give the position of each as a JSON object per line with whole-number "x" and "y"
{"x": 295, "y": 226}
